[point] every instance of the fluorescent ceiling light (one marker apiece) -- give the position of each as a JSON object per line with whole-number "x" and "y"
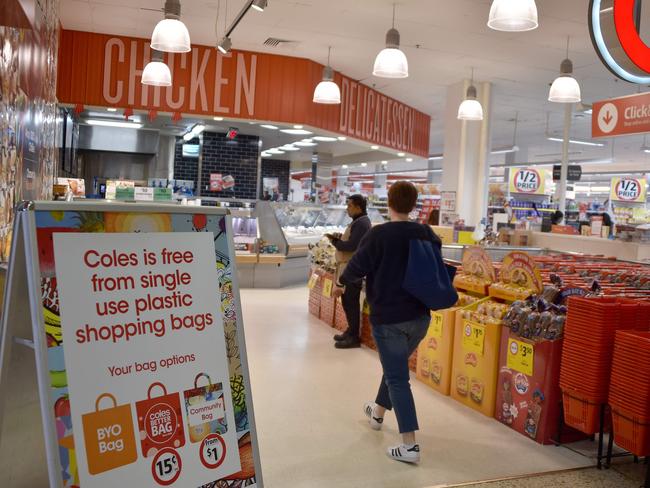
{"x": 259, "y": 5}
{"x": 297, "y": 126}
{"x": 374, "y": 148}
{"x": 306, "y": 143}
{"x": 114, "y": 123}
{"x": 401, "y": 155}
{"x": 289, "y": 147}
{"x": 275, "y": 151}
{"x": 513, "y": 15}
{"x": 363, "y": 165}
{"x": 218, "y": 119}
{"x": 296, "y": 132}
{"x": 345, "y": 166}
{"x": 341, "y": 138}
{"x": 325, "y": 139}
{"x": 384, "y": 162}
{"x": 577, "y": 141}
{"x": 269, "y": 126}
{"x": 435, "y": 157}
{"x": 506, "y": 150}
{"x": 409, "y": 160}
{"x": 111, "y": 109}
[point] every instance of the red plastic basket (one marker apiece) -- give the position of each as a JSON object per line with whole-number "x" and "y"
{"x": 580, "y": 412}
{"x": 631, "y": 433}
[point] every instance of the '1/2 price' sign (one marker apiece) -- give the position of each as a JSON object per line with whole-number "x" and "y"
{"x": 474, "y": 337}
{"x": 521, "y": 356}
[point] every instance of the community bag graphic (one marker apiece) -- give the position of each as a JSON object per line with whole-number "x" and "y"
{"x": 160, "y": 421}
{"x": 206, "y": 409}
{"x": 109, "y": 437}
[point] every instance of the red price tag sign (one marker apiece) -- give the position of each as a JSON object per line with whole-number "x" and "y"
{"x": 166, "y": 466}
{"x": 213, "y": 451}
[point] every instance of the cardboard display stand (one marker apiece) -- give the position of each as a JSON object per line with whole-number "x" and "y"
{"x": 122, "y": 332}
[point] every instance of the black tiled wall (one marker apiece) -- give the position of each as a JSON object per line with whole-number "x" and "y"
{"x": 237, "y": 158}
{"x": 272, "y": 168}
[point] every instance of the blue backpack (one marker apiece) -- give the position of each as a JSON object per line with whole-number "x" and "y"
{"x": 427, "y": 276}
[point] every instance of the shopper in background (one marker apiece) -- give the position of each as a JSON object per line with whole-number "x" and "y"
{"x": 399, "y": 320}
{"x": 346, "y": 245}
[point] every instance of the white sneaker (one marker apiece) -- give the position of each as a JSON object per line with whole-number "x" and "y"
{"x": 375, "y": 422}
{"x": 405, "y": 453}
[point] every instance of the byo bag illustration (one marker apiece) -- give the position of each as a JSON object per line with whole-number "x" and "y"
{"x": 109, "y": 437}
{"x": 206, "y": 409}
{"x": 160, "y": 421}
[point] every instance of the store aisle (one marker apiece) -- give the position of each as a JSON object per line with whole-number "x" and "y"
{"x": 308, "y": 404}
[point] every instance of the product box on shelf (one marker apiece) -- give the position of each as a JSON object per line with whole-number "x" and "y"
{"x": 528, "y": 390}
{"x": 436, "y": 349}
{"x": 476, "y": 355}
{"x": 519, "y": 278}
{"x": 477, "y": 273}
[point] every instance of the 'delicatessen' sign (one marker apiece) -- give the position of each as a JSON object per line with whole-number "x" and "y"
{"x": 621, "y": 116}
{"x": 105, "y": 70}
{"x": 630, "y": 190}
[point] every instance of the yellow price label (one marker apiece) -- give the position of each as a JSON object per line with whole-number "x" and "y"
{"x": 521, "y": 356}
{"x": 313, "y": 279}
{"x": 327, "y": 287}
{"x": 473, "y": 337}
{"x": 436, "y": 325}
{"x": 366, "y": 307}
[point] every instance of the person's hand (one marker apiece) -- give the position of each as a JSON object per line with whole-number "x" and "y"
{"x": 338, "y": 291}
{"x": 329, "y": 236}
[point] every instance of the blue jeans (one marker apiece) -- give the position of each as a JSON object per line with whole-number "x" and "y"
{"x": 396, "y": 343}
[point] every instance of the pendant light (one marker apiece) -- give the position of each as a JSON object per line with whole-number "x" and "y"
{"x": 391, "y": 62}
{"x": 171, "y": 35}
{"x": 513, "y": 15}
{"x": 471, "y": 108}
{"x": 156, "y": 73}
{"x": 565, "y": 88}
{"x": 327, "y": 92}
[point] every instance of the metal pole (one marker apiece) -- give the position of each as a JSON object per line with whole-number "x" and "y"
{"x": 568, "y": 109}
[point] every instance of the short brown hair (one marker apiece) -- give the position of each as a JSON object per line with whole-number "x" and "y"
{"x": 402, "y": 197}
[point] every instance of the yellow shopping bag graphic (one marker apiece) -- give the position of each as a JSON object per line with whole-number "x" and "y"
{"x": 109, "y": 437}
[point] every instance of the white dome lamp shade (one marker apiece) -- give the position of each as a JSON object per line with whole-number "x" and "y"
{"x": 327, "y": 92}
{"x": 565, "y": 88}
{"x": 513, "y": 15}
{"x": 391, "y": 62}
{"x": 471, "y": 109}
{"x": 156, "y": 72}
{"x": 170, "y": 34}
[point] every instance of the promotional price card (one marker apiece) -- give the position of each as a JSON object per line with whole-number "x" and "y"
{"x": 436, "y": 325}
{"x": 521, "y": 356}
{"x": 473, "y": 337}
{"x": 327, "y": 287}
{"x": 148, "y": 378}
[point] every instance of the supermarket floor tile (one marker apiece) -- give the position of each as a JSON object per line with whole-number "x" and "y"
{"x": 624, "y": 476}
{"x": 308, "y": 399}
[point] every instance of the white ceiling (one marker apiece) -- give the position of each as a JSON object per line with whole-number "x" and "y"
{"x": 443, "y": 39}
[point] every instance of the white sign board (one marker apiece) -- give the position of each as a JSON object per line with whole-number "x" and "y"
{"x": 146, "y": 359}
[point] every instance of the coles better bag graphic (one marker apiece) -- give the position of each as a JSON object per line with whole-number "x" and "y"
{"x": 206, "y": 411}
{"x": 109, "y": 437}
{"x": 160, "y": 421}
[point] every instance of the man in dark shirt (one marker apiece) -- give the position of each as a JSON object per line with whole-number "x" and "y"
{"x": 346, "y": 245}
{"x": 399, "y": 320}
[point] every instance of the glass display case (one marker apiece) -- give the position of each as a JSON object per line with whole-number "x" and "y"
{"x": 302, "y": 224}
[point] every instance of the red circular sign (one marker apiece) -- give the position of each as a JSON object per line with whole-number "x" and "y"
{"x": 527, "y": 181}
{"x": 166, "y": 466}
{"x": 160, "y": 423}
{"x": 628, "y": 189}
{"x": 213, "y": 451}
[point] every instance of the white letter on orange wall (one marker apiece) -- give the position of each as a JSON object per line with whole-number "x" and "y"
{"x": 198, "y": 79}
{"x": 345, "y": 99}
{"x": 219, "y": 82}
{"x": 108, "y": 68}
{"x": 176, "y": 104}
{"x": 246, "y": 82}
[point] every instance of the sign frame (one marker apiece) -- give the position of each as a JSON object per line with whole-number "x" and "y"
{"x": 23, "y": 322}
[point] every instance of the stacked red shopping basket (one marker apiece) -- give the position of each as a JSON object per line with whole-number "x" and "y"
{"x": 587, "y": 354}
{"x": 629, "y": 394}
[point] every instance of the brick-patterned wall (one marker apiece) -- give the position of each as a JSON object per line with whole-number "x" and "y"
{"x": 272, "y": 168}
{"x": 185, "y": 168}
{"x": 237, "y": 158}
